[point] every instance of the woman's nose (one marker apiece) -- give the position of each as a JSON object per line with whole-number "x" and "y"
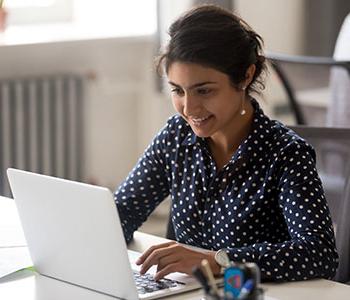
{"x": 191, "y": 106}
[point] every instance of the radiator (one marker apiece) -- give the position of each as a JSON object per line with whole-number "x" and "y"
{"x": 41, "y": 126}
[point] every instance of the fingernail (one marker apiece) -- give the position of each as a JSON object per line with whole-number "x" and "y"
{"x": 138, "y": 261}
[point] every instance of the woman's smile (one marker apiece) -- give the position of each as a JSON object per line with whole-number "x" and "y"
{"x": 200, "y": 121}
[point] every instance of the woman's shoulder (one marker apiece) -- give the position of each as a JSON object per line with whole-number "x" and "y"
{"x": 287, "y": 139}
{"x": 277, "y": 136}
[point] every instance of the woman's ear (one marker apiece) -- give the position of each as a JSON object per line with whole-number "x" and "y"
{"x": 249, "y": 74}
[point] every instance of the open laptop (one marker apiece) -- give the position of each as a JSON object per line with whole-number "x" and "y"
{"x": 74, "y": 234}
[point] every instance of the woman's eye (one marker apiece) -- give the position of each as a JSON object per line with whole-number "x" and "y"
{"x": 176, "y": 91}
{"x": 203, "y": 91}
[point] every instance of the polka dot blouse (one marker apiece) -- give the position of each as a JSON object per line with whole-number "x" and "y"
{"x": 266, "y": 205}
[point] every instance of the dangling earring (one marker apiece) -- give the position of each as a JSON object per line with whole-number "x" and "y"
{"x": 243, "y": 112}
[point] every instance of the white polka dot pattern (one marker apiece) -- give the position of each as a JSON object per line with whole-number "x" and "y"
{"x": 266, "y": 205}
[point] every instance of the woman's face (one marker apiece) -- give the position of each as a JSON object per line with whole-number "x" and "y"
{"x": 205, "y": 98}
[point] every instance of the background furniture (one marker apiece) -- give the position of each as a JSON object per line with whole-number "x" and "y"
{"x": 339, "y": 109}
{"x": 343, "y": 240}
{"x": 318, "y": 88}
{"x": 308, "y": 83}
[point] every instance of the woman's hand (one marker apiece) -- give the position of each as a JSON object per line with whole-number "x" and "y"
{"x": 175, "y": 257}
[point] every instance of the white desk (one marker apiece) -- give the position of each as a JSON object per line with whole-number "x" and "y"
{"x": 303, "y": 290}
{"x": 32, "y": 286}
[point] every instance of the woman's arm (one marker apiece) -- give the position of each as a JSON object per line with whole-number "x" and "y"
{"x": 310, "y": 252}
{"x": 145, "y": 187}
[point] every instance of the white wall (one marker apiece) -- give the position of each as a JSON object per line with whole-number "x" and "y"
{"x": 280, "y": 23}
{"x": 122, "y": 109}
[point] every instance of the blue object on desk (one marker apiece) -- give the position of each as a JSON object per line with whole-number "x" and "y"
{"x": 233, "y": 281}
{"x": 246, "y": 289}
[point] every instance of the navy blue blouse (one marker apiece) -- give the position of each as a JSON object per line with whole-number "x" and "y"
{"x": 266, "y": 205}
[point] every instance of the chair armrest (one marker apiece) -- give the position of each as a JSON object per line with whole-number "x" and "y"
{"x": 300, "y": 59}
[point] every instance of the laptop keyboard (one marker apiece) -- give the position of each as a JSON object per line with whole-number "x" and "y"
{"x": 146, "y": 284}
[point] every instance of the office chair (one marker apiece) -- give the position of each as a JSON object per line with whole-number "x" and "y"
{"x": 332, "y": 146}
{"x": 318, "y": 88}
{"x": 343, "y": 237}
{"x": 307, "y": 82}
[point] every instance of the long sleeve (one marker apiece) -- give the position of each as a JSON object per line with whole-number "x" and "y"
{"x": 310, "y": 252}
{"x": 145, "y": 186}
{"x": 266, "y": 205}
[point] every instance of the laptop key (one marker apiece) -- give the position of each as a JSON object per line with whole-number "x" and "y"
{"x": 146, "y": 283}
{"x": 141, "y": 291}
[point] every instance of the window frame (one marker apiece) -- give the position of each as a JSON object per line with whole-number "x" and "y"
{"x": 54, "y": 12}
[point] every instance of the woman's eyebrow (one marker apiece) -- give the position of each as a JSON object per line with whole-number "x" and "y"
{"x": 193, "y": 85}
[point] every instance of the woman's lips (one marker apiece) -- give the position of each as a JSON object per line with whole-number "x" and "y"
{"x": 200, "y": 121}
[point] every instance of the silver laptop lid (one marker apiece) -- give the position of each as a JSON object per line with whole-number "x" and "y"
{"x": 87, "y": 249}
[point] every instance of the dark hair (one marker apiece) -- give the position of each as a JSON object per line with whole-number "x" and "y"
{"x": 212, "y": 36}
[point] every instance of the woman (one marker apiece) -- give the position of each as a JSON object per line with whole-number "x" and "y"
{"x": 237, "y": 180}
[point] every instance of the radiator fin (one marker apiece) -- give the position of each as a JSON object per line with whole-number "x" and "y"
{"x": 41, "y": 126}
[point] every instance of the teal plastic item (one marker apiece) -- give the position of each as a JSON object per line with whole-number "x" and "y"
{"x": 233, "y": 281}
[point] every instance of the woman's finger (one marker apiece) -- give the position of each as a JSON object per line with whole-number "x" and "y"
{"x": 175, "y": 267}
{"x": 155, "y": 256}
{"x": 144, "y": 255}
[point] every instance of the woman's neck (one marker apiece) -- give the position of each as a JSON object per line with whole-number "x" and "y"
{"x": 224, "y": 144}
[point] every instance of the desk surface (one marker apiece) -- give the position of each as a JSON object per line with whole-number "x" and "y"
{"x": 31, "y": 286}
{"x": 319, "y": 289}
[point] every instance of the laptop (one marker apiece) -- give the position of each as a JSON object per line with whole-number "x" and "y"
{"x": 74, "y": 234}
